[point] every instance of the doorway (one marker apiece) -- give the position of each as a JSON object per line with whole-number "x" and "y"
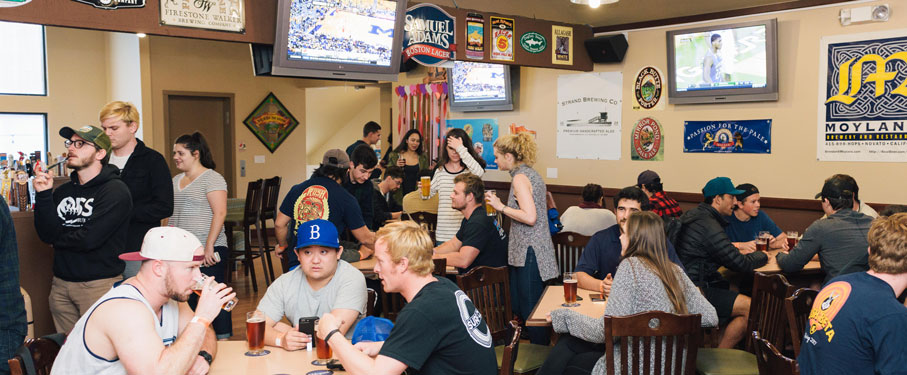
{"x": 210, "y": 114}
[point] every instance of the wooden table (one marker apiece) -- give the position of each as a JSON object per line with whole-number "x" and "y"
{"x": 552, "y": 299}
{"x": 772, "y": 267}
{"x": 368, "y": 267}
{"x": 232, "y": 360}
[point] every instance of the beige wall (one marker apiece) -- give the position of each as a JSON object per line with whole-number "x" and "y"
{"x": 342, "y": 111}
{"x": 790, "y": 171}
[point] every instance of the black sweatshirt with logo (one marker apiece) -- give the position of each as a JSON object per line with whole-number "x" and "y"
{"x": 86, "y": 224}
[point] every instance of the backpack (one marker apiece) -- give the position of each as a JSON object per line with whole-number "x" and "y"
{"x": 672, "y": 229}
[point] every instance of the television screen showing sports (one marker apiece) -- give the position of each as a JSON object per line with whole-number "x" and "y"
{"x": 473, "y": 82}
{"x": 342, "y": 31}
{"x": 720, "y": 59}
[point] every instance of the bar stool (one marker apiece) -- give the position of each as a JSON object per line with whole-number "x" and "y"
{"x": 250, "y": 218}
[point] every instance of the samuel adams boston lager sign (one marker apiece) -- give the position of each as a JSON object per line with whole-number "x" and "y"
{"x": 428, "y": 35}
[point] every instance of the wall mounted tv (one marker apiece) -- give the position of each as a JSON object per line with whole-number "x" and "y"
{"x": 476, "y": 87}
{"x": 339, "y": 39}
{"x": 724, "y": 63}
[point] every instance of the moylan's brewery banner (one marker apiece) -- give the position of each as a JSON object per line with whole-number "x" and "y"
{"x": 863, "y": 97}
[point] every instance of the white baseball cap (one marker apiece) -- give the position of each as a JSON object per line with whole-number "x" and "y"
{"x": 167, "y": 243}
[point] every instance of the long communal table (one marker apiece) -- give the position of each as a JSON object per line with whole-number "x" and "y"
{"x": 552, "y": 299}
{"x": 231, "y": 360}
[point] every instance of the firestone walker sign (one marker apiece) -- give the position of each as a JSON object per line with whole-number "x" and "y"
{"x": 220, "y": 15}
{"x": 428, "y": 35}
{"x": 113, "y": 4}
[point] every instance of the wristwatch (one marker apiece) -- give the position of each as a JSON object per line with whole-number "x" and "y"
{"x": 206, "y": 356}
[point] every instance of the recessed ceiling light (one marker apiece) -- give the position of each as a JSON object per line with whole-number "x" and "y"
{"x": 140, "y": 35}
{"x": 593, "y": 3}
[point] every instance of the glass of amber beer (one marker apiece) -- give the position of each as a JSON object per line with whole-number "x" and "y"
{"x": 570, "y": 284}
{"x": 490, "y": 211}
{"x": 255, "y": 333}
{"x": 792, "y": 238}
{"x": 762, "y": 240}
{"x": 425, "y": 187}
{"x": 322, "y": 348}
{"x": 197, "y": 289}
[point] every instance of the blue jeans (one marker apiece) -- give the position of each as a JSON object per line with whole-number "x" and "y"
{"x": 223, "y": 323}
{"x": 526, "y": 288}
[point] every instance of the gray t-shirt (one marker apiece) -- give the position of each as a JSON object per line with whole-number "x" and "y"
{"x": 291, "y": 296}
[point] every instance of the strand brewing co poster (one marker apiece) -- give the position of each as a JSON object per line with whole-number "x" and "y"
{"x": 728, "y": 137}
{"x": 588, "y": 115}
{"x": 863, "y": 97}
{"x": 483, "y": 131}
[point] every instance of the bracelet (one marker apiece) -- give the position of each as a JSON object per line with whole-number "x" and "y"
{"x": 204, "y": 322}
{"x": 277, "y": 340}
{"x": 328, "y": 337}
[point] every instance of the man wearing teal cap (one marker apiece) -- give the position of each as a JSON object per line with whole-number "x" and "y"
{"x": 86, "y": 220}
{"x": 703, "y": 247}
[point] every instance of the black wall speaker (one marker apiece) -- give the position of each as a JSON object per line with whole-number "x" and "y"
{"x": 607, "y": 49}
{"x": 262, "y": 54}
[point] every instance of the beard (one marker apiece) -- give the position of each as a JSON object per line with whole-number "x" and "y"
{"x": 170, "y": 289}
{"x": 79, "y": 163}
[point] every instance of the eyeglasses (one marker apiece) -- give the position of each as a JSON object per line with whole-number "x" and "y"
{"x": 78, "y": 144}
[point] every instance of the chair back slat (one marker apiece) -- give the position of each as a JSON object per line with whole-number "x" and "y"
{"x": 253, "y": 203}
{"x": 489, "y": 290}
{"x": 638, "y": 333}
{"x": 440, "y": 267}
{"x": 767, "y": 308}
{"x": 770, "y": 360}
{"x": 427, "y": 220}
{"x": 511, "y": 350}
{"x": 797, "y": 308}
{"x": 371, "y": 298}
{"x": 270, "y": 197}
{"x": 568, "y": 247}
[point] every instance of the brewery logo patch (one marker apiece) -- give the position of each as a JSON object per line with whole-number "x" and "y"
{"x": 502, "y": 38}
{"x": 113, "y": 4}
{"x": 475, "y": 36}
{"x": 429, "y": 35}
{"x": 13, "y": 3}
{"x": 533, "y": 42}
{"x": 647, "y": 89}
{"x": 647, "y": 140}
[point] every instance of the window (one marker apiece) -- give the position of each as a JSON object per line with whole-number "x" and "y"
{"x": 23, "y": 65}
{"x": 23, "y": 132}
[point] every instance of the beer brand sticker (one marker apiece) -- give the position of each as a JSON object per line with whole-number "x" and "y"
{"x": 647, "y": 140}
{"x": 533, "y": 42}
{"x": 562, "y": 53}
{"x": 113, "y": 4}
{"x": 647, "y": 89}
{"x": 475, "y": 36}
{"x": 428, "y": 35}
{"x": 502, "y": 38}
{"x": 13, "y": 3}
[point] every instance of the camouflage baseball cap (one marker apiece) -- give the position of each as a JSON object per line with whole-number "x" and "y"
{"x": 89, "y": 133}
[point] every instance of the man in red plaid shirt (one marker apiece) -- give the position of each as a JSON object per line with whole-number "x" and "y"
{"x": 650, "y": 183}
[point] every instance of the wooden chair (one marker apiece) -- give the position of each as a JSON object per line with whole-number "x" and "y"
{"x": 429, "y": 219}
{"x": 568, "y": 246}
{"x": 508, "y": 357}
{"x": 392, "y": 303}
{"x": 489, "y": 290}
{"x": 372, "y": 297}
{"x": 797, "y": 308}
{"x": 677, "y": 335}
{"x": 771, "y": 361}
{"x": 36, "y": 356}
{"x": 250, "y": 218}
{"x": 269, "y": 201}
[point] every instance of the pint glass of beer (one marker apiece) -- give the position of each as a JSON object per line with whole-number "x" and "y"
{"x": 426, "y": 187}
{"x": 255, "y": 333}
{"x": 490, "y": 211}
{"x": 197, "y": 289}
{"x": 570, "y": 284}
{"x": 762, "y": 240}
{"x": 792, "y": 238}
{"x": 322, "y": 348}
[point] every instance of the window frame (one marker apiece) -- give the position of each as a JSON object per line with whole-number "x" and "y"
{"x": 44, "y": 55}
{"x": 46, "y": 131}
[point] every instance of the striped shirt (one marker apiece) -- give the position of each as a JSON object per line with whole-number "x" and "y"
{"x": 442, "y": 183}
{"x": 191, "y": 210}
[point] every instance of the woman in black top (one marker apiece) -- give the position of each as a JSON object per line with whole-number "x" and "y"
{"x": 409, "y": 156}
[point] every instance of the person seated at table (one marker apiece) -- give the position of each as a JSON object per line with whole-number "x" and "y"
{"x": 480, "y": 240}
{"x": 664, "y": 206}
{"x": 857, "y": 324}
{"x": 646, "y": 280}
{"x": 357, "y": 183}
{"x": 606, "y": 248}
{"x": 323, "y": 283}
{"x": 839, "y": 239}
{"x": 322, "y": 197}
{"x": 144, "y": 325}
{"x": 704, "y": 246}
{"x": 858, "y": 205}
{"x": 590, "y": 216}
{"x": 386, "y": 208}
{"x": 438, "y": 331}
{"x": 747, "y": 220}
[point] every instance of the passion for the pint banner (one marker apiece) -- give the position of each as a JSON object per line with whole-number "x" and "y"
{"x": 738, "y": 137}
{"x": 588, "y": 115}
{"x": 863, "y": 97}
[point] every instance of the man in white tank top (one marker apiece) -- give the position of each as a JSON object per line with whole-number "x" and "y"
{"x": 144, "y": 326}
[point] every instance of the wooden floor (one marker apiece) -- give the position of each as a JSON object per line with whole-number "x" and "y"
{"x": 248, "y": 299}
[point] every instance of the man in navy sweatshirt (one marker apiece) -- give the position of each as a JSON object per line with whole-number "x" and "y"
{"x": 86, "y": 220}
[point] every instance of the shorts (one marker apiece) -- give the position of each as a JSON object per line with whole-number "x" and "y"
{"x": 722, "y": 300}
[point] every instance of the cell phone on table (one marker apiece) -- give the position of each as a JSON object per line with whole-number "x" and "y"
{"x": 597, "y": 297}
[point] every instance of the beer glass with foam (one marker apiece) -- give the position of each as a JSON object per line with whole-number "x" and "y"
{"x": 255, "y": 333}
{"x": 570, "y": 284}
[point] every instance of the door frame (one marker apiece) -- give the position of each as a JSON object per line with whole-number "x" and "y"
{"x": 229, "y": 131}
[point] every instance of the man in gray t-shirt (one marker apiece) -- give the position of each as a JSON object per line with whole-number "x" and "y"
{"x": 322, "y": 283}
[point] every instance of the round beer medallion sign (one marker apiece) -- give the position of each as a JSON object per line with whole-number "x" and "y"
{"x": 647, "y": 138}
{"x": 533, "y": 42}
{"x": 648, "y": 87}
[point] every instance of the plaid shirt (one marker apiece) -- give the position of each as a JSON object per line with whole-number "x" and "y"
{"x": 664, "y": 206}
{"x": 12, "y": 309}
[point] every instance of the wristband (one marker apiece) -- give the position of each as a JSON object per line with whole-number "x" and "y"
{"x": 206, "y": 356}
{"x": 278, "y": 339}
{"x": 328, "y": 337}
{"x": 204, "y": 322}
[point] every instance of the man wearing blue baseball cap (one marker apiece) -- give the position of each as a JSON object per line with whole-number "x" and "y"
{"x": 703, "y": 247}
{"x": 323, "y": 283}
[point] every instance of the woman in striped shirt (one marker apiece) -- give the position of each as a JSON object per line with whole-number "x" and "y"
{"x": 200, "y": 207}
{"x": 459, "y": 157}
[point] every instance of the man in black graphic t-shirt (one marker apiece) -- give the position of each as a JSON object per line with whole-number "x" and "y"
{"x": 480, "y": 240}
{"x": 439, "y": 331}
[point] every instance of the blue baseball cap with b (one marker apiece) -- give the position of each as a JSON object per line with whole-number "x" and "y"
{"x": 718, "y": 186}
{"x": 317, "y": 232}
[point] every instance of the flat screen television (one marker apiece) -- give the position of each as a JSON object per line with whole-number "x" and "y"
{"x": 476, "y": 87}
{"x": 339, "y": 39}
{"x": 724, "y": 63}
